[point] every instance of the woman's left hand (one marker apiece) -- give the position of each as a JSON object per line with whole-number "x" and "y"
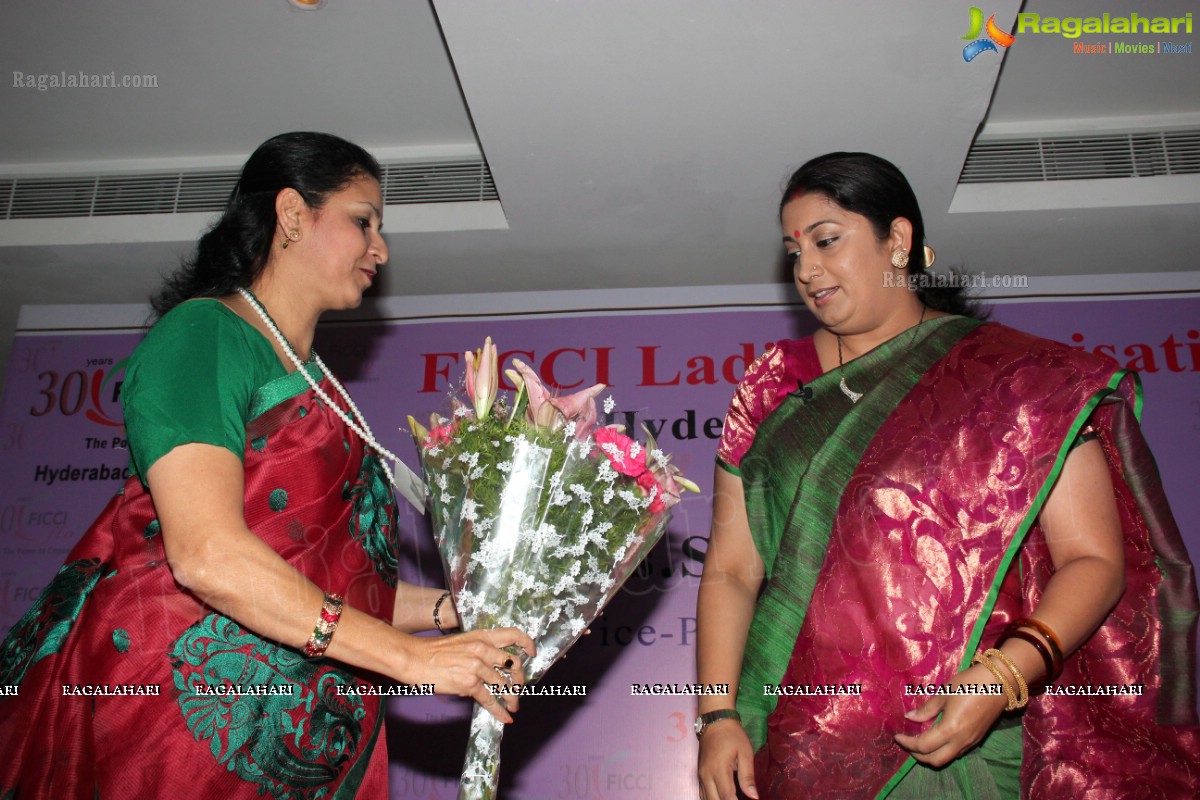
{"x": 966, "y": 719}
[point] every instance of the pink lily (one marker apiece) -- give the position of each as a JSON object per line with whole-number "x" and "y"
{"x": 483, "y": 378}
{"x": 580, "y": 407}
{"x": 552, "y": 413}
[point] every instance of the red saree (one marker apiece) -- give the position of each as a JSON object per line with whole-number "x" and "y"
{"x": 901, "y": 532}
{"x": 114, "y": 617}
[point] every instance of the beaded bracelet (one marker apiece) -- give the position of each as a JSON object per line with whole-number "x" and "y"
{"x": 1022, "y": 685}
{"x": 1052, "y": 670}
{"x": 1056, "y": 651}
{"x": 327, "y": 622}
{"x": 437, "y": 619}
{"x": 992, "y": 668}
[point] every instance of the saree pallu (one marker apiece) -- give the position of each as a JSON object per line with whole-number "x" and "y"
{"x": 213, "y": 710}
{"x": 900, "y": 534}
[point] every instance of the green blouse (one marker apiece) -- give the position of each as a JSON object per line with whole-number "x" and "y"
{"x": 192, "y": 379}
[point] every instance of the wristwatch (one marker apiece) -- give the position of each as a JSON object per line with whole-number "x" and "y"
{"x": 704, "y": 720}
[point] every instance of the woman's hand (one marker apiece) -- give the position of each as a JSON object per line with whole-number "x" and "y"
{"x": 966, "y": 719}
{"x": 724, "y": 750}
{"x": 470, "y": 664}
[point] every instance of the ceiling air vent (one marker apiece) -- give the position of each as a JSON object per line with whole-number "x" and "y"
{"x": 467, "y": 180}
{"x": 1074, "y": 158}
{"x": 6, "y": 190}
{"x": 405, "y": 182}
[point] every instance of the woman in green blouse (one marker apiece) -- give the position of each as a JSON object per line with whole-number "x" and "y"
{"x": 257, "y": 535}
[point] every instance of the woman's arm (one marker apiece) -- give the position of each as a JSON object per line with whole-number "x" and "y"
{"x": 1083, "y": 534}
{"x": 733, "y": 573}
{"x": 198, "y": 494}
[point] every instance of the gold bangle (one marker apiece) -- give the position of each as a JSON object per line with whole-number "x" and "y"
{"x": 992, "y": 668}
{"x": 1022, "y": 685}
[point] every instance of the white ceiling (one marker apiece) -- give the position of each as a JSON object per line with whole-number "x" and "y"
{"x": 633, "y": 143}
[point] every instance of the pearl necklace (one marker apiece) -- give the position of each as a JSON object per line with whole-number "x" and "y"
{"x": 846, "y": 390}
{"x": 363, "y": 430}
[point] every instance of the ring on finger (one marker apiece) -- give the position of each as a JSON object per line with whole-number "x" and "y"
{"x": 504, "y": 674}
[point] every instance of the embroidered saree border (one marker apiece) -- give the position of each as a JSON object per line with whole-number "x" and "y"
{"x": 1177, "y": 601}
{"x": 281, "y": 389}
{"x": 839, "y": 433}
{"x": 42, "y": 630}
{"x": 354, "y": 778}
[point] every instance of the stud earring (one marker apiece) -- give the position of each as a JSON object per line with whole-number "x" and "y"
{"x": 292, "y": 236}
{"x": 930, "y": 256}
{"x": 899, "y": 259}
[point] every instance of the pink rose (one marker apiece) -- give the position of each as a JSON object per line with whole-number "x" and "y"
{"x": 649, "y": 485}
{"x": 439, "y": 435}
{"x": 619, "y": 449}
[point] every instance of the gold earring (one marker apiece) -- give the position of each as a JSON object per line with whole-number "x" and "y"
{"x": 930, "y": 256}
{"x": 292, "y": 236}
{"x": 899, "y": 259}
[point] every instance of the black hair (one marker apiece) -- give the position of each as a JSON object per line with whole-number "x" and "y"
{"x": 233, "y": 252}
{"x": 873, "y": 187}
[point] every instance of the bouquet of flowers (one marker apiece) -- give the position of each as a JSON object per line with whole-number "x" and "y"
{"x": 539, "y": 516}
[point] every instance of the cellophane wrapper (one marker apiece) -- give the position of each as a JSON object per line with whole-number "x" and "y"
{"x": 537, "y": 531}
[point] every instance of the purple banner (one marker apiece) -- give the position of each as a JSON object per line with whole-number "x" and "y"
{"x": 63, "y": 456}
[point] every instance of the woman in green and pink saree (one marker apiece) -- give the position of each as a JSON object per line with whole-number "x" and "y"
{"x": 942, "y": 563}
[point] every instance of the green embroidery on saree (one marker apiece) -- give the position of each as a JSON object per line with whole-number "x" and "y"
{"x": 44, "y": 628}
{"x": 373, "y": 518}
{"x": 289, "y": 729}
{"x": 152, "y": 530}
{"x": 121, "y": 640}
{"x": 258, "y": 443}
{"x": 278, "y": 499}
{"x": 281, "y": 389}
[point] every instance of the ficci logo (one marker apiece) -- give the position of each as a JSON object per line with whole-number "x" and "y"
{"x": 995, "y": 36}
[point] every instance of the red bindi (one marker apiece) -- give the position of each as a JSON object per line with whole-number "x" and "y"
{"x": 796, "y": 234}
